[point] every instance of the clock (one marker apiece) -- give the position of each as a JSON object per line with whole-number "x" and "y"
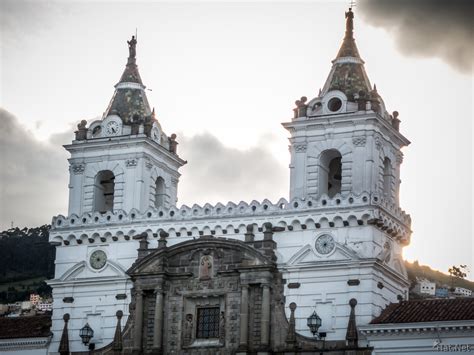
{"x": 325, "y": 244}
{"x": 112, "y": 128}
{"x": 98, "y": 259}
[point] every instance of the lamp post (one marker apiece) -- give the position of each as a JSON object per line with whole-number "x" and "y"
{"x": 87, "y": 333}
{"x": 314, "y": 323}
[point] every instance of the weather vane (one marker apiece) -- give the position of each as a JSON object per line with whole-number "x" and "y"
{"x": 352, "y": 4}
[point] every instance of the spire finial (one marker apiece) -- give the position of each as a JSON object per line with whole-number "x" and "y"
{"x": 349, "y": 23}
{"x": 132, "y": 48}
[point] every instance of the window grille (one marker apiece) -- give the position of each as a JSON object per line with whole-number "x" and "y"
{"x": 208, "y": 322}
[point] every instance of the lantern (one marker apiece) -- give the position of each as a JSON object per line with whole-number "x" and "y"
{"x": 86, "y": 333}
{"x": 314, "y": 322}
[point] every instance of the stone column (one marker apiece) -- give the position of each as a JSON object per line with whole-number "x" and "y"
{"x": 265, "y": 321}
{"x": 158, "y": 329}
{"x": 244, "y": 317}
{"x": 137, "y": 338}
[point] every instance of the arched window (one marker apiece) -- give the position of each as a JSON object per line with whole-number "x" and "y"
{"x": 104, "y": 187}
{"x": 330, "y": 173}
{"x": 387, "y": 177}
{"x": 159, "y": 192}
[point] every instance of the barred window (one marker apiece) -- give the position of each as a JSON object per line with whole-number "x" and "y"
{"x": 208, "y": 322}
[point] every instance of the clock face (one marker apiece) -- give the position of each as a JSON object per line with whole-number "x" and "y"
{"x": 325, "y": 244}
{"x": 98, "y": 259}
{"x": 112, "y": 128}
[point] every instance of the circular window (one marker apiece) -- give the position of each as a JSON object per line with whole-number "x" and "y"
{"x": 334, "y": 104}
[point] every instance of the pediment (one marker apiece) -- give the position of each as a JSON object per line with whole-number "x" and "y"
{"x": 307, "y": 255}
{"x": 81, "y": 271}
{"x": 186, "y": 255}
{"x": 156, "y": 265}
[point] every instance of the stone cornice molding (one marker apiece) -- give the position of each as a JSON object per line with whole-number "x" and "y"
{"x": 315, "y": 207}
{"x": 123, "y": 142}
{"x": 231, "y": 218}
{"x": 392, "y": 329}
{"x": 351, "y": 118}
{"x": 24, "y": 343}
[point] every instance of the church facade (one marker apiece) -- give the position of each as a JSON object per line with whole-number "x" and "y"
{"x": 150, "y": 277}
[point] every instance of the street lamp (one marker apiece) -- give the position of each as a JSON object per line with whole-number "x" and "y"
{"x": 314, "y": 322}
{"x": 87, "y": 333}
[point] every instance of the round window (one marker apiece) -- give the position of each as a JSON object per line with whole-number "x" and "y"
{"x": 334, "y": 104}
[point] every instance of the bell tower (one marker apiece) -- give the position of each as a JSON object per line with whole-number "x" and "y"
{"x": 123, "y": 161}
{"x": 345, "y": 163}
{"x": 344, "y": 141}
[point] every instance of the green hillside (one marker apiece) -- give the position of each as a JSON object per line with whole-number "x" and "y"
{"x": 415, "y": 270}
{"x": 26, "y": 260}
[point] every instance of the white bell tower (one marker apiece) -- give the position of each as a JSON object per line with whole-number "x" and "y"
{"x": 124, "y": 161}
{"x": 344, "y": 141}
{"x": 345, "y": 161}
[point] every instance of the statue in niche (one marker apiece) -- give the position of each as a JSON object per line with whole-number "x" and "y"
{"x": 205, "y": 267}
{"x": 188, "y": 329}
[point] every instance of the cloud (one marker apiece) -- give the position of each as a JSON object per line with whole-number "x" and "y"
{"x": 34, "y": 174}
{"x": 427, "y": 28}
{"x": 33, "y": 177}
{"x": 216, "y": 173}
{"x": 20, "y": 17}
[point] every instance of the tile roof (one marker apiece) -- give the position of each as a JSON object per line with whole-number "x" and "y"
{"x": 432, "y": 310}
{"x": 25, "y": 327}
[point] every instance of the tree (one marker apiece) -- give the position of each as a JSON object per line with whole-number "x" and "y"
{"x": 457, "y": 272}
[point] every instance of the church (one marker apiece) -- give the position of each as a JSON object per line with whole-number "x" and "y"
{"x": 137, "y": 274}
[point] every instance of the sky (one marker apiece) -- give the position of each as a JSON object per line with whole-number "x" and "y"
{"x": 223, "y": 76}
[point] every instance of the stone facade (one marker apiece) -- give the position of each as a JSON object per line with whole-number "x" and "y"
{"x": 239, "y": 280}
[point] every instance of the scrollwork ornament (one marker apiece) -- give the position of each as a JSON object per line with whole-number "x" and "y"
{"x": 359, "y": 141}
{"x": 130, "y": 163}
{"x": 300, "y": 148}
{"x": 378, "y": 142}
{"x": 78, "y": 168}
{"x": 399, "y": 157}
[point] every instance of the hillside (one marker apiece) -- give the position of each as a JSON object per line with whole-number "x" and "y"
{"x": 26, "y": 260}
{"x": 415, "y": 270}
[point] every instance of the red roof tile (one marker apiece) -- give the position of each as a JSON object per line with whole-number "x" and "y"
{"x": 427, "y": 311}
{"x": 25, "y": 327}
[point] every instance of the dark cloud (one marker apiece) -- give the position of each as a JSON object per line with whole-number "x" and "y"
{"x": 216, "y": 173}
{"x": 34, "y": 174}
{"x": 20, "y": 18}
{"x": 428, "y": 28}
{"x": 33, "y": 177}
